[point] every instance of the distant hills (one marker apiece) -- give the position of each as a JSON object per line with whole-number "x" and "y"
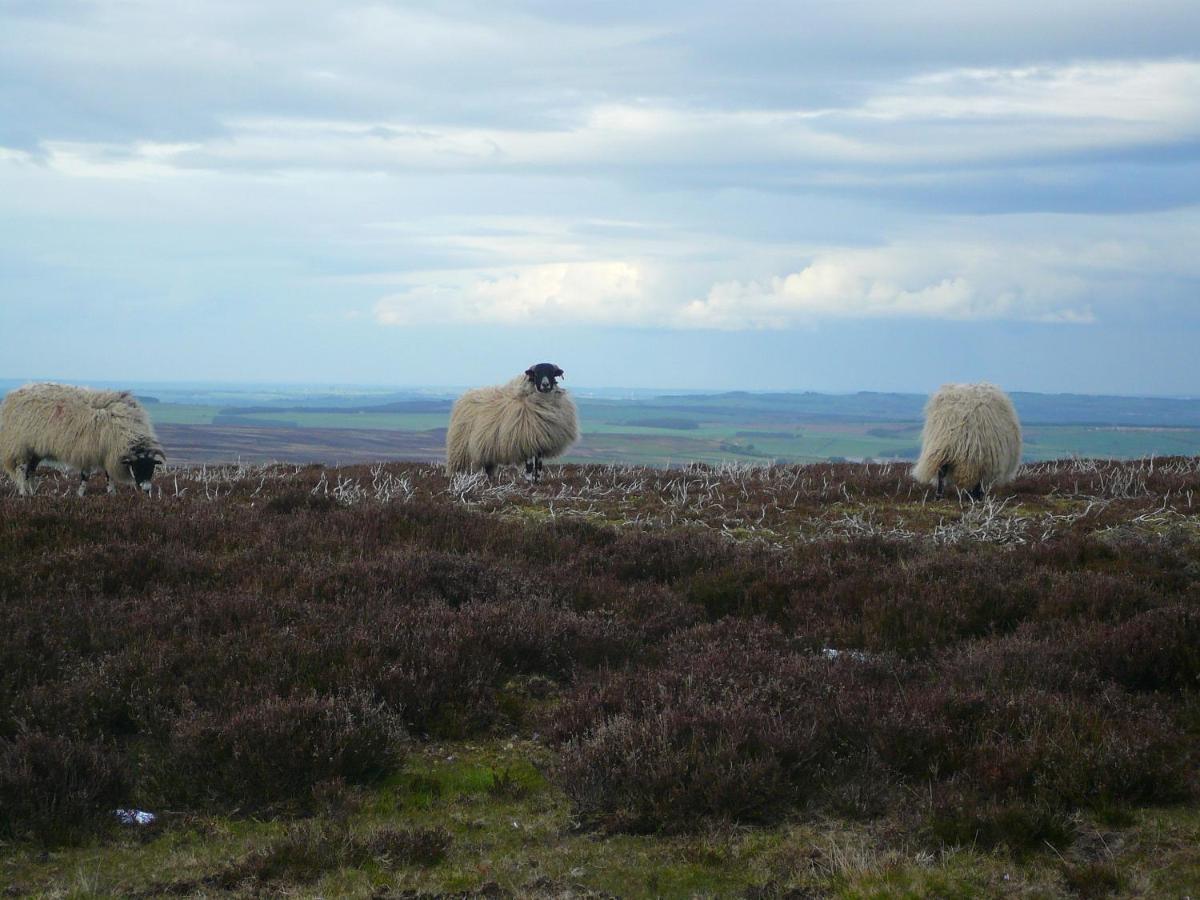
{"x": 870, "y": 406}
{"x": 643, "y": 407}
{"x": 864, "y": 406}
{"x": 205, "y": 423}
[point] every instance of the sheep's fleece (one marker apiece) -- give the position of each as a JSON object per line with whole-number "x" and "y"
{"x": 509, "y": 424}
{"x": 79, "y": 427}
{"x": 973, "y": 429}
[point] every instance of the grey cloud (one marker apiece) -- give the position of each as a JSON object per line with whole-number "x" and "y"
{"x": 170, "y": 71}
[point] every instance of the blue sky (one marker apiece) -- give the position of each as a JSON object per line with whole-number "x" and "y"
{"x": 834, "y": 195}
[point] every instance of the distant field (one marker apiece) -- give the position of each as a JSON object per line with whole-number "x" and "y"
{"x": 665, "y": 432}
{"x": 1048, "y": 442}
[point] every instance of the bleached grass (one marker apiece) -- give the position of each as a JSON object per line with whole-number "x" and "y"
{"x": 771, "y": 505}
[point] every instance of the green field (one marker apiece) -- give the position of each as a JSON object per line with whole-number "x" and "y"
{"x": 749, "y": 428}
{"x": 182, "y": 414}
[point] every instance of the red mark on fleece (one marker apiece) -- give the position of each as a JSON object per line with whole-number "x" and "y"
{"x": 59, "y": 411}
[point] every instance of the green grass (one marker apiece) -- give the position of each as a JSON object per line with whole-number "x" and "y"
{"x": 511, "y": 828}
{"x": 1054, "y": 442}
{"x": 182, "y": 414}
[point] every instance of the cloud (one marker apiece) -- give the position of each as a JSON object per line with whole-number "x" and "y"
{"x": 599, "y": 292}
{"x": 936, "y": 279}
{"x": 955, "y": 125}
{"x": 906, "y": 281}
{"x": 1165, "y": 92}
{"x": 826, "y": 290}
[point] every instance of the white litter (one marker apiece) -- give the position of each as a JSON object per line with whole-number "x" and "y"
{"x": 135, "y": 817}
{"x": 856, "y": 655}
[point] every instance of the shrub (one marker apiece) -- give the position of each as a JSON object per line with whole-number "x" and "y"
{"x": 248, "y": 643}
{"x": 730, "y": 725}
{"x": 279, "y": 749}
{"x": 736, "y": 723}
{"x": 963, "y": 819}
{"x": 58, "y": 790}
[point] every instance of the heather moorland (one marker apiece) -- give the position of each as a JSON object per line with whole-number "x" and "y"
{"x": 737, "y": 681}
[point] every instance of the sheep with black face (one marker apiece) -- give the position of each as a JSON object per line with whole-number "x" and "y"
{"x": 526, "y": 420}
{"x": 85, "y": 429}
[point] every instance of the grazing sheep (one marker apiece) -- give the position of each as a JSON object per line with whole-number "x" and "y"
{"x": 524, "y": 420}
{"x": 971, "y": 435}
{"x": 81, "y": 428}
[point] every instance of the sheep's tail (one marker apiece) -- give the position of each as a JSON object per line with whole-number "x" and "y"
{"x": 458, "y": 458}
{"x": 456, "y": 462}
{"x": 926, "y": 469}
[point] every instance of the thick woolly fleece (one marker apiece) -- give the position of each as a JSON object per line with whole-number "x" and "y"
{"x": 972, "y": 428}
{"x": 509, "y": 424}
{"x": 79, "y": 427}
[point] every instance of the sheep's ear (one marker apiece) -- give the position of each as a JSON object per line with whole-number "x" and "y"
{"x": 529, "y": 372}
{"x": 558, "y": 373}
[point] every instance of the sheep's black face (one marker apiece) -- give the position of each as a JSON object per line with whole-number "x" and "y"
{"x": 543, "y": 377}
{"x": 142, "y": 462}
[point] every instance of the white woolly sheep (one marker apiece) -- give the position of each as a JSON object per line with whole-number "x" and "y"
{"x": 78, "y": 427}
{"x": 971, "y": 436}
{"x": 525, "y": 420}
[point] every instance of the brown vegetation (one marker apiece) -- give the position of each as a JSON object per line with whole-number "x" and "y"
{"x": 249, "y": 635}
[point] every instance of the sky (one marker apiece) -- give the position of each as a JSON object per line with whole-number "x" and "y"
{"x": 831, "y": 195}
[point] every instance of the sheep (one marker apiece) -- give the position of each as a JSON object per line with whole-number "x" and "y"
{"x": 525, "y": 420}
{"x": 79, "y": 427}
{"x": 971, "y": 435}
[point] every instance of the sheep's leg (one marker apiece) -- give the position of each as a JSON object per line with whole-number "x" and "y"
{"x": 83, "y": 480}
{"x": 110, "y": 488}
{"x": 489, "y": 469}
{"x": 18, "y": 476}
{"x": 941, "y": 485}
{"x": 533, "y": 468}
{"x": 27, "y": 483}
{"x": 977, "y": 491}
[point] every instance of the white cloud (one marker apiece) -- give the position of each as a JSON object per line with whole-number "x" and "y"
{"x": 609, "y": 292}
{"x": 934, "y": 280}
{"x": 144, "y": 160}
{"x": 1162, "y": 93}
{"x": 903, "y": 281}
